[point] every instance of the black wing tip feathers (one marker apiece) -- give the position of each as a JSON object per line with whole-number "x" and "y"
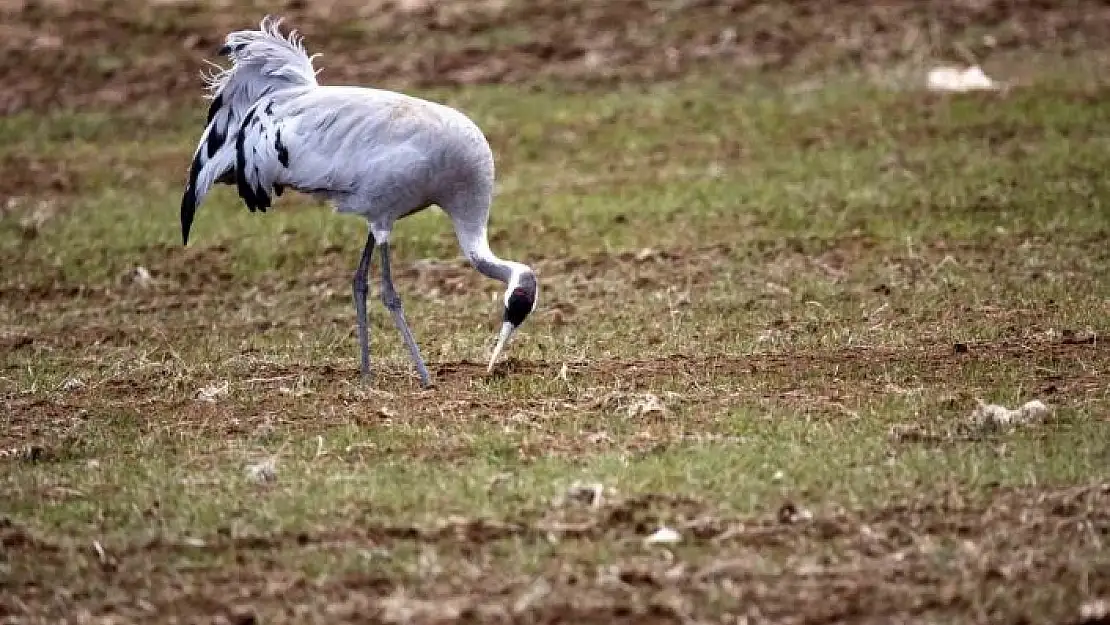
{"x": 215, "y": 141}
{"x": 241, "y": 163}
{"x": 282, "y": 152}
{"x": 255, "y": 197}
{"x": 188, "y": 210}
{"x": 189, "y": 200}
{"x": 214, "y": 108}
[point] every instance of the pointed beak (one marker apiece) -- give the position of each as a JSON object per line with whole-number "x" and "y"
{"x": 506, "y": 331}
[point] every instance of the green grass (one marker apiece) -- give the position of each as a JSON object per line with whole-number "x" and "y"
{"x": 821, "y": 254}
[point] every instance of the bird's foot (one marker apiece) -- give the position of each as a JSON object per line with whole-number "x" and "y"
{"x": 425, "y": 378}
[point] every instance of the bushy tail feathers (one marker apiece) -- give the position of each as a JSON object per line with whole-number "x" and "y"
{"x": 263, "y": 62}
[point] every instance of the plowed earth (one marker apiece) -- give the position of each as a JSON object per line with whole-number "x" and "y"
{"x": 65, "y": 53}
{"x": 936, "y": 560}
{"x": 957, "y": 552}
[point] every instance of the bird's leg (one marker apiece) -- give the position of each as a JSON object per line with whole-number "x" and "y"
{"x": 361, "y": 288}
{"x": 393, "y": 303}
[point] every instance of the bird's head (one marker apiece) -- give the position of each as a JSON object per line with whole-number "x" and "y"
{"x": 520, "y": 300}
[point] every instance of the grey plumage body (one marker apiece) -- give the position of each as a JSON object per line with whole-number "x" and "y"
{"x": 411, "y": 153}
{"x": 375, "y": 153}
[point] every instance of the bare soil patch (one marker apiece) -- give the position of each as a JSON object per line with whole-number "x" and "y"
{"x": 826, "y": 382}
{"x": 128, "y": 54}
{"x": 913, "y": 561}
{"x": 83, "y": 360}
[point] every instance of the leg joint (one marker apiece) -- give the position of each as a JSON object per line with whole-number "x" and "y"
{"x": 391, "y": 300}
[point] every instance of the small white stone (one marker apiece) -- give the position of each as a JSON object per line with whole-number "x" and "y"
{"x": 993, "y": 415}
{"x": 646, "y": 404}
{"x": 141, "y": 276}
{"x": 957, "y": 80}
{"x": 211, "y": 393}
{"x": 1096, "y": 609}
{"x": 262, "y": 472}
{"x": 1034, "y": 410}
{"x": 663, "y": 536}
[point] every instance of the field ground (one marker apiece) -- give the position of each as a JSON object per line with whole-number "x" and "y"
{"x": 776, "y": 279}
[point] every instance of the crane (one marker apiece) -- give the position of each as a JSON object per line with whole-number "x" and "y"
{"x": 370, "y": 152}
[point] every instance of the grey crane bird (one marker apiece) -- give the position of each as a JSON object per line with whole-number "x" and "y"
{"x": 375, "y": 153}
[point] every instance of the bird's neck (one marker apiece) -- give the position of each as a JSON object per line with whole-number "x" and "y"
{"x": 476, "y": 248}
